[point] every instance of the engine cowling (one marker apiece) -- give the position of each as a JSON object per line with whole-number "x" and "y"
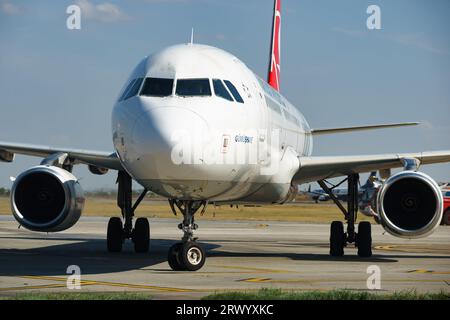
{"x": 410, "y": 205}
{"x": 47, "y": 199}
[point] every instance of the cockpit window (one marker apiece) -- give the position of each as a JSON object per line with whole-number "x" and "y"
{"x": 157, "y": 87}
{"x": 193, "y": 87}
{"x": 124, "y": 94}
{"x": 234, "y": 91}
{"x": 220, "y": 90}
{"x": 134, "y": 89}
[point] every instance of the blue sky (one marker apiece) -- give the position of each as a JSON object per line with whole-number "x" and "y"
{"x": 57, "y": 86}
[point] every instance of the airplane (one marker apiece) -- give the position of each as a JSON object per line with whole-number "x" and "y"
{"x": 340, "y": 193}
{"x": 195, "y": 125}
{"x": 317, "y": 195}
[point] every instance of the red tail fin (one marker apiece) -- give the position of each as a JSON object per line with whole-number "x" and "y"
{"x": 274, "y": 67}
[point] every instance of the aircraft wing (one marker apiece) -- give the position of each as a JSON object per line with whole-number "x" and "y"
{"x": 318, "y": 132}
{"x": 99, "y": 159}
{"x": 319, "y": 168}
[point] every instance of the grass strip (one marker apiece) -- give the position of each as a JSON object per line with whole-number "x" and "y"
{"x": 278, "y": 294}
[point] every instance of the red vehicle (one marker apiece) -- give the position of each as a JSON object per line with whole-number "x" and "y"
{"x": 446, "y": 215}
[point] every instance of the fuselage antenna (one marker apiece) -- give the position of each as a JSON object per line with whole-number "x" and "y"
{"x": 192, "y": 36}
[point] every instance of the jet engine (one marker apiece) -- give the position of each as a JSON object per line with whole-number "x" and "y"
{"x": 47, "y": 199}
{"x": 410, "y": 205}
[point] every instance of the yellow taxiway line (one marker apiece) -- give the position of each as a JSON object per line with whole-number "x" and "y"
{"x": 90, "y": 282}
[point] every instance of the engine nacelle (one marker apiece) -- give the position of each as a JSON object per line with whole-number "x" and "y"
{"x": 410, "y": 205}
{"x": 47, "y": 199}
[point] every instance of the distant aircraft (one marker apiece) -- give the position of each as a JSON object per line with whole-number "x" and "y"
{"x": 340, "y": 193}
{"x": 195, "y": 125}
{"x": 445, "y": 185}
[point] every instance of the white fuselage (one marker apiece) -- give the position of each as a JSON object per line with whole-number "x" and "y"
{"x": 206, "y": 147}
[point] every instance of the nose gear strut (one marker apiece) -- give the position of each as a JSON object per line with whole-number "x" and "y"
{"x": 187, "y": 255}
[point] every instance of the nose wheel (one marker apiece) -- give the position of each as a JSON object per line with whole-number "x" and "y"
{"x": 188, "y": 256}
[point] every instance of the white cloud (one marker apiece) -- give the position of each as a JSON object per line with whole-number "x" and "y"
{"x": 9, "y": 8}
{"x": 167, "y": 1}
{"x": 348, "y": 32}
{"x": 104, "y": 12}
{"x": 418, "y": 40}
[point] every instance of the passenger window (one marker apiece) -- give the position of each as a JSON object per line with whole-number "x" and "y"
{"x": 193, "y": 87}
{"x": 220, "y": 90}
{"x": 134, "y": 89}
{"x": 157, "y": 87}
{"x": 124, "y": 94}
{"x": 234, "y": 91}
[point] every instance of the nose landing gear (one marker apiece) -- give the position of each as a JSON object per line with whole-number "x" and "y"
{"x": 187, "y": 255}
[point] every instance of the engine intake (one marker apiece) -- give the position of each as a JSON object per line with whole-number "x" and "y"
{"x": 47, "y": 199}
{"x": 410, "y": 205}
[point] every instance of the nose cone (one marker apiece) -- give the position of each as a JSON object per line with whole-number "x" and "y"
{"x": 163, "y": 139}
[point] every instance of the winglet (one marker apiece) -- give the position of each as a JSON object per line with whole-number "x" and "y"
{"x": 274, "y": 62}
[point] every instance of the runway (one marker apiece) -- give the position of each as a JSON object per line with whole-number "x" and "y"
{"x": 241, "y": 256}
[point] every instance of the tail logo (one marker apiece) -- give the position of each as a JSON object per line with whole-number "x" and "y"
{"x": 274, "y": 68}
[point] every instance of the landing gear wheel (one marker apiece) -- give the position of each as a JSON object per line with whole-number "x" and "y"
{"x": 173, "y": 257}
{"x": 115, "y": 235}
{"x": 141, "y": 235}
{"x": 192, "y": 256}
{"x": 364, "y": 239}
{"x": 337, "y": 239}
{"x": 446, "y": 218}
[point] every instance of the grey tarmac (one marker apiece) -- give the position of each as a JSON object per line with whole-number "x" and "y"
{"x": 241, "y": 255}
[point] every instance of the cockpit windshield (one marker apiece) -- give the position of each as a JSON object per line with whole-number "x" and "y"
{"x": 234, "y": 91}
{"x": 193, "y": 87}
{"x": 157, "y": 87}
{"x": 132, "y": 89}
{"x": 221, "y": 91}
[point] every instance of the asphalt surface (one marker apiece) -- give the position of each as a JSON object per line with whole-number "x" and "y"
{"x": 241, "y": 256}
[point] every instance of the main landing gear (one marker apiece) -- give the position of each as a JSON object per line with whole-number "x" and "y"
{"x": 187, "y": 255}
{"x": 119, "y": 231}
{"x": 338, "y": 238}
